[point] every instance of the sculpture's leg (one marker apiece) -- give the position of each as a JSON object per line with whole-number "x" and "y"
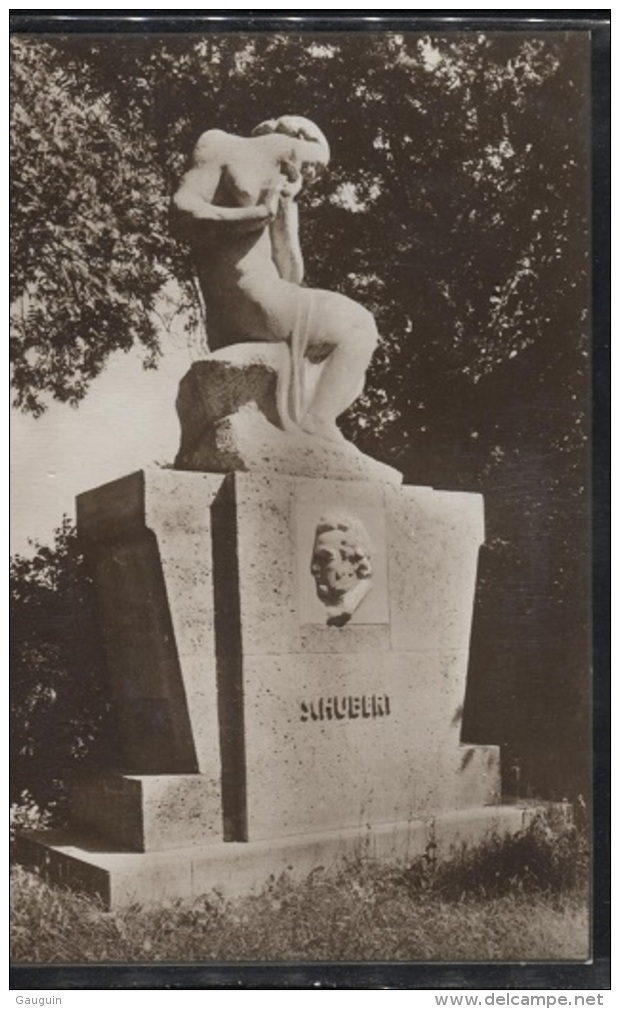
{"x": 352, "y": 335}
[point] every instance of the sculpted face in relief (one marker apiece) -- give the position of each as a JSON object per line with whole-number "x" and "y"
{"x": 341, "y": 566}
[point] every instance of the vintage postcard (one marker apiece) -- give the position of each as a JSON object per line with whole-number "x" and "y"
{"x": 302, "y": 350}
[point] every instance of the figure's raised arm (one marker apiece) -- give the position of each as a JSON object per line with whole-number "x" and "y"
{"x": 193, "y": 199}
{"x": 285, "y": 248}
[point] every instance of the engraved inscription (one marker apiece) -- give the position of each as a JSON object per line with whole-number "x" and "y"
{"x": 341, "y": 566}
{"x": 345, "y": 707}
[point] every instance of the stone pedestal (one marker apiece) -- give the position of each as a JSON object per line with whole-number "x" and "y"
{"x": 251, "y": 722}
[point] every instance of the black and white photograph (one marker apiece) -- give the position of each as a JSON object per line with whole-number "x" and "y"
{"x": 301, "y": 350}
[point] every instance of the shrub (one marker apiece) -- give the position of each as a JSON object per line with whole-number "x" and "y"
{"x": 57, "y": 676}
{"x": 550, "y": 856}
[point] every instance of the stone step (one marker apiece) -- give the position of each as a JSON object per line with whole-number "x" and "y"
{"x": 121, "y": 878}
{"x": 149, "y": 812}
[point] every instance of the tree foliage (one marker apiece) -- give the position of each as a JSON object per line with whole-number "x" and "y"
{"x": 90, "y": 248}
{"x": 455, "y": 208}
{"x": 58, "y": 682}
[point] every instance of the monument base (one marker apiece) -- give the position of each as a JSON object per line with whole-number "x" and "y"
{"x": 269, "y": 722}
{"x": 120, "y": 878}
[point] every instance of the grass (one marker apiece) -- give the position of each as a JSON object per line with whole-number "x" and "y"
{"x": 515, "y": 899}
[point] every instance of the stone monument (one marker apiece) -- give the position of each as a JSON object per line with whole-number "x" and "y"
{"x": 286, "y": 625}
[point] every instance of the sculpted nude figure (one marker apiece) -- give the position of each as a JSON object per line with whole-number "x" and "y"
{"x": 237, "y": 203}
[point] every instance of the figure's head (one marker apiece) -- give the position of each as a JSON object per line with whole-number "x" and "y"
{"x": 316, "y": 148}
{"x": 340, "y": 558}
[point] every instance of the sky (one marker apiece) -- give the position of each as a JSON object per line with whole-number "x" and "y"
{"x": 127, "y": 421}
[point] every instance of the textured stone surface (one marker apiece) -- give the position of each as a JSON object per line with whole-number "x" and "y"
{"x": 299, "y": 772}
{"x": 274, "y": 530}
{"x": 433, "y": 541}
{"x": 148, "y": 540}
{"x": 211, "y": 620}
{"x": 150, "y": 813}
{"x": 229, "y": 422}
{"x": 309, "y": 769}
{"x": 122, "y": 878}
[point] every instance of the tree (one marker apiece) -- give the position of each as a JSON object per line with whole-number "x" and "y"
{"x": 454, "y": 165}
{"x": 90, "y": 248}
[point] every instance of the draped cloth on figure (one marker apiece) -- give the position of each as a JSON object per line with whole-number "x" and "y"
{"x": 297, "y": 376}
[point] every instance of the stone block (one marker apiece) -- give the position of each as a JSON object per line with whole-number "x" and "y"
{"x": 148, "y": 540}
{"x": 150, "y": 813}
{"x": 230, "y": 421}
{"x": 454, "y": 831}
{"x": 229, "y": 668}
{"x": 120, "y": 878}
{"x": 337, "y": 726}
{"x": 346, "y": 740}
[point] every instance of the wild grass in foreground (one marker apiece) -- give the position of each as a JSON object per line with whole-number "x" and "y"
{"x": 515, "y": 899}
